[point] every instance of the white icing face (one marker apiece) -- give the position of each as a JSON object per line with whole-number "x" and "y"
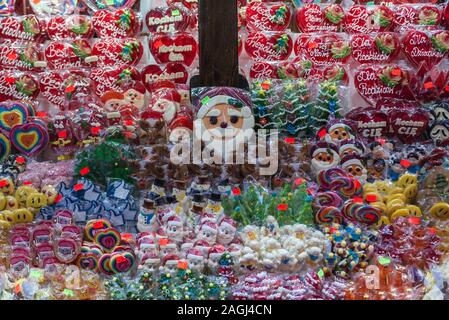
{"x": 175, "y": 232}
{"x": 225, "y": 234}
{"x": 167, "y": 108}
{"x": 196, "y": 263}
{"x": 135, "y": 98}
{"x": 208, "y": 235}
{"x": 151, "y": 266}
{"x": 168, "y": 250}
{"x": 325, "y": 160}
{"x": 213, "y": 260}
{"x": 171, "y": 266}
{"x": 113, "y": 104}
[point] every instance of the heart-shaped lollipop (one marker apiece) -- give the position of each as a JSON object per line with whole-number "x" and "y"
{"x": 410, "y": 125}
{"x": 121, "y": 23}
{"x": 122, "y": 262}
{"x": 29, "y": 138}
{"x": 375, "y": 48}
{"x": 18, "y": 86}
{"x": 167, "y": 19}
{"x": 361, "y": 19}
{"x": 174, "y": 72}
{"x": 180, "y": 47}
{"x": 108, "y": 239}
{"x": 267, "y": 17}
{"x": 70, "y": 27}
{"x": 65, "y": 55}
{"x": 22, "y": 56}
{"x": 270, "y": 47}
{"x": 315, "y": 18}
{"x": 26, "y": 28}
{"x": 5, "y": 147}
{"x": 117, "y": 52}
{"x": 104, "y": 265}
{"x": 12, "y": 114}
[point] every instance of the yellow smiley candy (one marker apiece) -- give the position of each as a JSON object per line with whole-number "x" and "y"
{"x": 400, "y": 213}
{"x": 51, "y": 193}
{"x": 8, "y": 216}
{"x": 11, "y": 203}
{"x": 23, "y": 216}
{"x": 379, "y": 205}
{"x": 440, "y": 211}
{"x": 36, "y": 200}
{"x": 395, "y": 190}
{"x": 2, "y": 201}
{"x": 414, "y": 211}
{"x": 5, "y": 225}
{"x": 22, "y": 194}
{"x": 406, "y": 180}
{"x": 383, "y": 221}
{"x": 411, "y": 192}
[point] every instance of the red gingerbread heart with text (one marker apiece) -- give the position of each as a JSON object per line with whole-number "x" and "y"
{"x": 122, "y": 23}
{"x": 117, "y": 52}
{"x": 181, "y": 47}
{"x": 270, "y": 47}
{"x": 326, "y": 49}
{"x": 167, "y": 19}
{"x": 267, "y": 17}
{"x": 360, "y": 19}
{"x": 18, "y": 86}
{"x": 313, "y": 17}
{"x": 113, "y": 79}
{"x": 371, "y": 124}
{"x": 64, "y": 55}
{"x": 425, "y": 49}
{"x": 26, "y": 56}
{"x": 374, "y": 82}
{"x": 189, "y": 4}
{"x": 51, "y": 88}
{"x": 409, "y": 125}
{"x": 274, "y": 70}
{"x": 27, "y": 28}
{"x": 174, "y": 72}
{"x": 407, "y": 15}
{"x": 375, "y": 48}
{"x": 70, "y": 27}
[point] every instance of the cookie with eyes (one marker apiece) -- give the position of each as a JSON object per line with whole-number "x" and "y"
{"x": 353, "y": 165}
{"x": 439, "y": 132}
{"x": 324, "y": 156}
{"x": 338, "y": 130}
{"x": 351, "y": 146}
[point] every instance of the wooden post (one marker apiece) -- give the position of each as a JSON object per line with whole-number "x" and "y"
{"x": 218, "y": 43}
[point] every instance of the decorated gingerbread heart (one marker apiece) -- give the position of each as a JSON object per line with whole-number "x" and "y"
{"x": 63, "y": 55}
{"x": 117, "y": 52}
{"x": 189, "y": 4}
{"x": 121, "y": 23}
{"x": 326, "y": 49}
{"x": 313, "y": 17}
{"x": 29, "y": 138}
{"x": 409, "y": 125}
{"x": 374, "y": 82}
{"x": 274, "y": 70}
{"x": 12, "y": 113}
{"x": 27, "y": 28}
{"x": 371, "y": 123}
{"x": 179, "y": 47}
{"x": 269, "y": 46}
{"x": 375, "y": 48}
{"x": 18, "y": 86}
{"x": 172, "y": 72}
{"x": 115, "y": 4}
{"x": 262, "y": 16}
{"x": 425, "y": 49}
{"x": 361, "y": 19}
{"x": 69, "y": 27}
{"x": 22, "y": 56}
{"x": 51, "y": 7}
{"x": 408, "y": 15}
{"x": 112, "y": 78}
{"x": 170, "y": 18}
{"x": 51, "y": 88}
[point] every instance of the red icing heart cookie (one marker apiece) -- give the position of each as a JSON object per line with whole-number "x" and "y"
{"x": 27, "y": 28}
{"x": 426, "y": 15}
{"x": 360, "y": 19}
{"x": 167, "y": 19}
{"x": 325, "y": 49}
{"x": 175, "y": 72}
{"x": 267, "y": 17}
{"x": 70, "y": 27}
{"x": 274, "y": 70}
{"x": 64, "y": 55}
{"x": 122, "y": 23}
{"x": 426, "y": 49}
{"x": 374, "y": 82}
{"x": 189, "y": 4}
{"x": 180, "y": 47}
{"x": 269, "y": 46}
{"x": 117, "y": 52}
{"x": 112, "y": 79}
{"x": 22, "y": 56}
{"x": 51, "y": 88}
{"x": 312, "y": 17}
{"x": 409, "y": 125}
{"x": 375, "y": 48}
{"x": 18, "y": 86}
{"x": 371, "y": 124}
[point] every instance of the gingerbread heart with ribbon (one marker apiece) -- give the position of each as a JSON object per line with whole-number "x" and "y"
{"x": 113, "y": 78}
{"x": 12, "y": 113}
{"x": 121, "y": 23}
{"x": 51, "y": 88}
{"x": 170, "y": 18}
{"x": 374, "y": 82}
{"x": 269, "y": 46}
{"x": 274, "y": 70}
{"x": 262, "y": 16}
{"x": 375, "y": 48}
{"x": 30, "y": 138}
{"x": 189, "y": 4}
{"x": 425, "y": 49}
{"x": 409, "y": 125}
{"x": 179, "y": 47}
{"x": 325, "y": 49}
{"x": 70, "y": 27}
{"x": 314, "y": 18}
{"x": 27, "y": 28}
{"x": 117, "y": 52}
{"x": 22, "y": 56}
{"x": 408, "y": 15}
{"x": 18, "y": 86}
{"x": 64, "y": 55}
{"x": 371, "y": 123}
{"x": 361, "y": 19}
{"x": 171, "y": 72}
{"x": 51, "y": 7}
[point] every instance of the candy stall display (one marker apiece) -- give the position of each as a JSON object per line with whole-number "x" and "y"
{"x": 121, "y": 181}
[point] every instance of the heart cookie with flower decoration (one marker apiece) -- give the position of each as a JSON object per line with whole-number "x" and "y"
{"x": 22, "y": 56}
{"x": 71, "y": 27}
{"x": 27, "y": 28}
{"x": 315, "y": 18}
{"x": 375, "y": 48}
{"x": 270, "y": 47}
{"x": 167, "y": 19}
{"x": 18, "y": 86}
{"x": 408, "y": 15}
{"x": 267, "y": 17}
{"x": 121, "y": 23}
{"x": 361, "y": 19}
{"x": 117, "y": 52}
{"x": 325, "y": 49}
{"x": 64, "y": 55}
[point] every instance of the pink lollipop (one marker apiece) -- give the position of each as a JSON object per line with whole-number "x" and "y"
{"x": 329, "y": 215}
{"x": 326, "y": 199}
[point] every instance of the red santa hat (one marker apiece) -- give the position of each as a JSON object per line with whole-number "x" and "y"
{"x": 216, "y": 250}
{"x": 182, "y": 121}
{"x": 208, "y": 217}
{"x": 174, "y": 220}
{"x": 150, "y": 258}
{"x": 351, "y": 159}
{"x": 167, "y": 244}
{"x": 147, "y": 243}
{"x": 322, "y": 146}
{"x": 353, "y": 144}
{"x": 229, "y": 223}
{"x": 194, "y": 252}
{"x": 209, "y": 226}
{"x": 340, "y": 123}
{"x": 170, "y": 259}
{"x": 166, "y": 94}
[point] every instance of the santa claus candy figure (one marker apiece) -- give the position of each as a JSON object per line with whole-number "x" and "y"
{"x": 169, "y": 263}
{"x": 353, "y": 165}
{"x": 227, "y": 229}
{"x": 196, "y": 260}
{"x": 175, "y": 229}
{"x": 167, "y": 247}
{"x": 214, "y": 256}
{"x": 180, "y": 128}
{"x": 208, "y": 232}
{"x": 165, "y": 103}
{"x": 134, "y": 95}
{"x": 150, "y": 262}
{"x": 324, "y": 156}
